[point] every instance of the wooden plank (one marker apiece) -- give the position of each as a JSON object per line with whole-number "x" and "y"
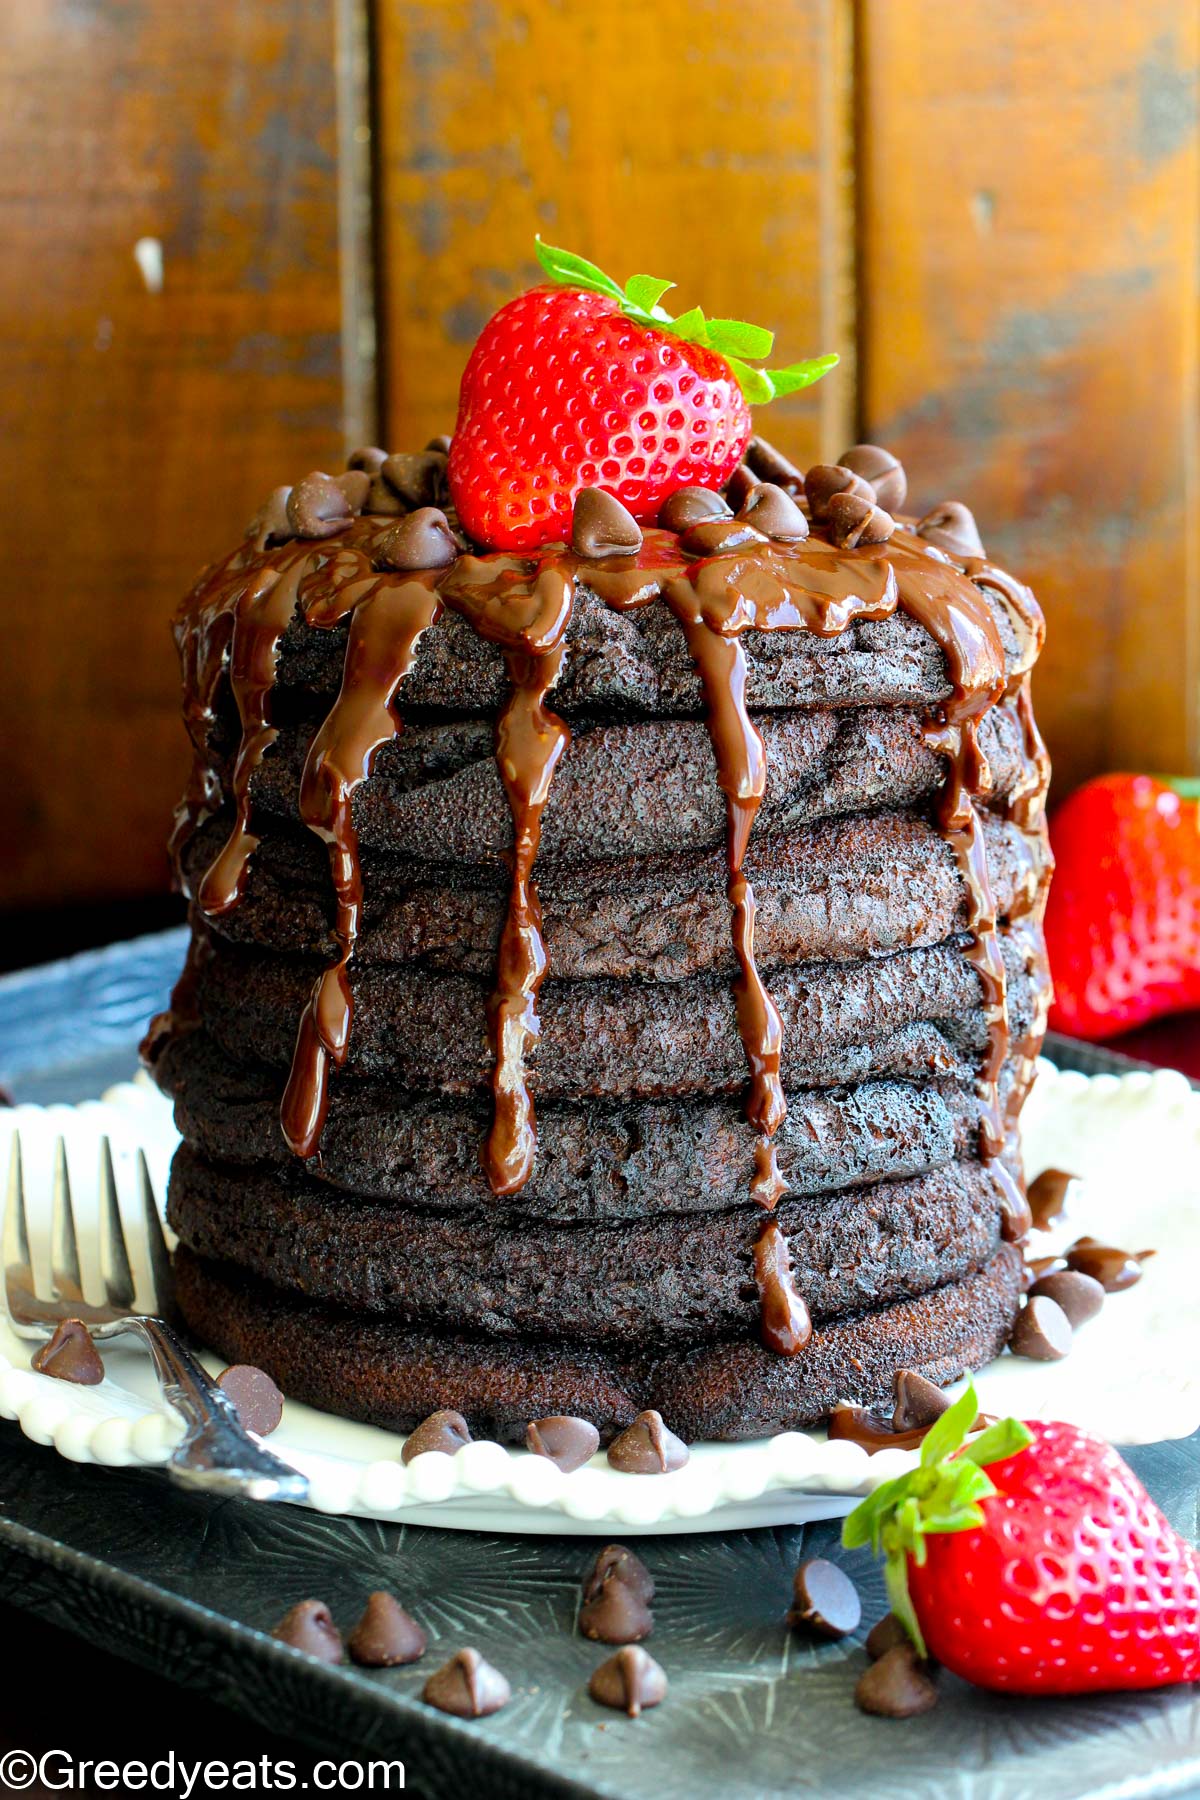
{"x": 143, "y": 419}
{"x": 672, "y": 138}
{"x": 1029, "y": 182}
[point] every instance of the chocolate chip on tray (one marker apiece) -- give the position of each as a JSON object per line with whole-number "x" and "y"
{"x": 824, "y": 1599}
{"x": 617, "y": 1591}
{"x": 386, "y": 1636}
{"x": 309, "y": 1627}
{"x": 647, "y": 1448}
{"x": 898, "y": 1686}
{"x": 467, "y": 1686}
{"x": 628, "y": 1681}
{"x": 884, "y": 1635}
{"x": 444, "y": 1431}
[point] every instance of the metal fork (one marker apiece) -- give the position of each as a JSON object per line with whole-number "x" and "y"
{"x": 216, "y": 1453}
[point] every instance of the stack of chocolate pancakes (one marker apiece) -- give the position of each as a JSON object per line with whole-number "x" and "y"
{"x": 616, "y": 969}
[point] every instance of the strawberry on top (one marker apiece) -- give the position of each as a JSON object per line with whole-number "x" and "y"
{"x": 582, "y": 384}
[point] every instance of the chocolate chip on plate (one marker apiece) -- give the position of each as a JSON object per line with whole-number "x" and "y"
{"x": 1047, "y": 1195}
{"x": 423, "y": 540}
{"x": 824, "y": 1599}
{"x": 774, "y": 513}
{"x": 567, "y": 1442}
{"x": 1042, "y": 1331}
{"x": 883, "y": 470}
{"x": 1114, "y": 1269}
{"x": 467, "y": 1686}
{"x": 647, "y": 1448}
{"x": 317, "y": 507}
{"x": 601, "y": 526}
{"x": 70, "y": 1355}
{"x": 689, "y": 505}
{"x": 628, "y": 1681}
{"x": 309, "y": 1627}
{"x": 386, "y": 1636}
{"x": 898, "y": 1686}
{"x": 918, "y": 1402}
{"x": 1080, "y": 1296}
{"x": 884, "y": 1635}
{"x": 256, "y": 1400}
{"x": 444, "y": 1431}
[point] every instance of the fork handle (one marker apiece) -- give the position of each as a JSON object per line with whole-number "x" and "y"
{"x": 216, "y": 1453}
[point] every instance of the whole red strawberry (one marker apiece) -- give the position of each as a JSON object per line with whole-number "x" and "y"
{"x": 1123, "y": 920}
{"x": 585, "y": 384}
{"x": 1049, "y": 1572}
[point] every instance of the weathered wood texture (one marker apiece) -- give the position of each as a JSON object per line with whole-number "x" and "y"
{"x": 704, "y": 143}
{"x": 1029, "y": 213}
{"x": 140, "y": 426}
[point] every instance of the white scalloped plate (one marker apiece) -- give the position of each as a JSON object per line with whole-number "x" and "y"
{"x": 1132, "y": 1376}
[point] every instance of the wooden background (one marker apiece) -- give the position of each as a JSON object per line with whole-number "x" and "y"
{"x": 991, "y": 211}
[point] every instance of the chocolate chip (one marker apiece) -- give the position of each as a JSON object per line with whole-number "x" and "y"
{"x": 356, "y": 485}
{"x": 567, "y": 1442}
{"x": 422, "y": 540}
{"x": 617, "y": 1592}
{"x": 774, "y": 513}
{"x": 417, "y": 479}
{"x": 271, "y": 524}
{"x": 712, "y": 536}
{"x": 882, "y": 470}
{"x": 601, "y": 526}
{"x": 1048, "y": 1196}
{"x": 647, "y": 1448}
{"x": 317, "y": 507}
{"x": 918, "y": 1402}
{"x": 824, "y": 480}
{"x": 824, "y": 1599}
{"x": 310, "y": 1627}
{"x": 628, "y": 1681}
{"x": 1114, "y": 1269}
{"x": 70, "y": 1355}
{"x": 851, "y": 521}
{"x": 256, "y": 1400}
{"x": 884, "y": 1635}
{"x": 444, "y": 1431}
{"x": 467, "y": 1686}
{"x": 370, "y": 459}
{"x": 898, "y": 1686}
{"x": 739, "y": 485}
{"x": 1042, "y": 1331}
{"x": 951, "y": 526}
{"x": 1080, "y": 1296}
{"x": 770, "y": 464}
{"x": 386, "y": 1636}
{"x": 616, "y": 1563}
{"x": 440, "y": 444}
{"x": 689, "y": 505}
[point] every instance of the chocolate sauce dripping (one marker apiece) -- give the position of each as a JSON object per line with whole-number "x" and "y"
{"x": 523, "y": 605}
{"x": 388, "y": 615}
{"x": 785, "y": 1323}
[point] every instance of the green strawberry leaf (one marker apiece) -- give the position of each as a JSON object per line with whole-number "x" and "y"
{"x": 941, "y": 1495}
{"x": 732, "y": 339}
{"x": 645, "y": 291}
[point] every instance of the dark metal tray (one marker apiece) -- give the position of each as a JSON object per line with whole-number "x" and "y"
{"x": 190, "y": 1588}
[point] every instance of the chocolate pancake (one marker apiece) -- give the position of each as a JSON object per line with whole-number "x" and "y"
{"x": 834, "y": 891}
{"x": 364, "y": 1368}
{"x": 842, "y": 1022}
{"x": 672, "y": 1278}
{"x": 629, "y": 789}
{"x": 596, "y": 1159}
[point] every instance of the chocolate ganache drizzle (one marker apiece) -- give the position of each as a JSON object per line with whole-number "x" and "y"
{"x": 720, "y": 577}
